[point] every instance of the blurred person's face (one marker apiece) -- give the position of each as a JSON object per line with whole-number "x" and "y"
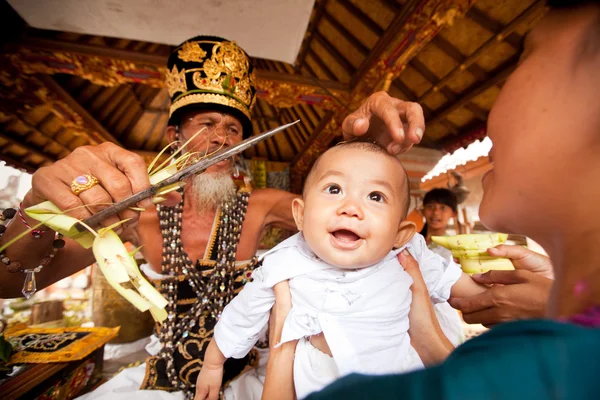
{"x": 545, "y": 130}
{"x": 437, "y": 215}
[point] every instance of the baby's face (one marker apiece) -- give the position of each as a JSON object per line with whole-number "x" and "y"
{"x": 353, "y": 207}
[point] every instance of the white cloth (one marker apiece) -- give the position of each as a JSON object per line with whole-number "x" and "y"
{"x": 362, "y": 313}
{"x": 313, "y": 369}
{"x": 126, "y": 385}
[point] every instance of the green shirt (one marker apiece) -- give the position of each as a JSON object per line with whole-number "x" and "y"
{"x": 518, "y": 360}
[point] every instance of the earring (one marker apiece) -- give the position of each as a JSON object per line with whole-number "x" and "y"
{"x": 175, "y": 142}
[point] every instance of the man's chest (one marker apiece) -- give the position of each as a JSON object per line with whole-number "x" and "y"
{"x": 199, "y": 238}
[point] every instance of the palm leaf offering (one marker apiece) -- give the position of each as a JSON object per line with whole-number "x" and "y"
{"x": 471, "y": 250}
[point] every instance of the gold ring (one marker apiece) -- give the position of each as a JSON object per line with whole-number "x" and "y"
{"x": 83, "y": 183}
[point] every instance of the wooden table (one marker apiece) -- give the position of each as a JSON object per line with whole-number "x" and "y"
{"x": 56, "y": 381}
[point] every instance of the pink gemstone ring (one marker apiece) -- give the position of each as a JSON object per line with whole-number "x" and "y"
{"x": 83, "y": 183}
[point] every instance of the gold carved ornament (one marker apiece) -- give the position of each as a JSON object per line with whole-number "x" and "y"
{"x": 225, "y": 73}
{"x": 176, "y": 81}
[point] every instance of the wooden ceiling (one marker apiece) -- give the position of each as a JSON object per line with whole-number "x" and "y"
{"x": 61, "y": 90}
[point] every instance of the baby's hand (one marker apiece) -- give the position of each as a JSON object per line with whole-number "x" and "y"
{"x": 208, "y": 383}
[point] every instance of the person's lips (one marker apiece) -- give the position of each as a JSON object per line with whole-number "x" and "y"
{"x": 345, "y": 239}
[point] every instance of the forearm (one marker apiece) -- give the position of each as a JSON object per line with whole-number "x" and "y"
{"x": 279, "y": 381}
{"x": 433, "y": 348}
{"x": 67, "y": 261}
{"x": 466, "y": 287}
{"x": 213, "y": 356}
{"x": 29, "y": 251}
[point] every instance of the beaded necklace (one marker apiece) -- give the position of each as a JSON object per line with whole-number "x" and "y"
{"x": 210, "y": 298}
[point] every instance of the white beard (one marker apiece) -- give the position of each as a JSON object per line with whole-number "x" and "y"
{"x": 209, "y": 190}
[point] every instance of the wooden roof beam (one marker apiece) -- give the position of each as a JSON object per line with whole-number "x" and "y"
{"x": 410, "y": 96}
{"x": 491, "y": 25}
{"x": 384, "y": 41}
{"x": 314, "y": 135}
{"x": 64, "y": 151}
{"x": 19, "y": 163}
{"x": 533, "y": 10}
{"x": 479, "y": 112}
{"x": 499, "y": 75}
{"x": 360, "y": 46}
{"x": 299, "y": 127}
{"x": 300, "y": 79}
{"x": 295, "y": 137}
{"x": 392, "y": 5}
{"x": 335, "y": 53}
{"x": 307, "y": 120}
{"x": 308, "y": 69}
{"x": 88, "y": 119}
{"x": 26, "y": 147}
{"x": 459, "y": 57}
{"x": 277, "y": 119}
{"x": 264, "y": 127}
{"x": 362, "y": 17}
{"x": 310, "y": 30}
{"x": 267, "y": 123}
{"x": 156, "y": 61}
{"x": 37, "y": 43}
{"x": 322, "y": 65}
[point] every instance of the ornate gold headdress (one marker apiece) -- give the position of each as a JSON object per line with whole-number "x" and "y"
{"x": 208, "y": 72}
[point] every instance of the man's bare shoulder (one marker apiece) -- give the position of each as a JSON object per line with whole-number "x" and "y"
{"x": 275, "y": 206}
{"x": 270, "y": 195}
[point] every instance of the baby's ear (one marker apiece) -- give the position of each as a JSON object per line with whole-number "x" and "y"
{"x": 298, "y": 212}
{"x": 406, "y": 230}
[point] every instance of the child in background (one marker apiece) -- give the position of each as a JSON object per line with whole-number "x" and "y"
{"x": 349, "y": 292}
{"x": 439, "y": 206}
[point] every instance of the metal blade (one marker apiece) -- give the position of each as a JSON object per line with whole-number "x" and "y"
{"x": 193, "y": 169}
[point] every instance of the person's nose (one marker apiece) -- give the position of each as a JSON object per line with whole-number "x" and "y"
{"x": 351, "y": 207}
{"x": 219, "y": 136}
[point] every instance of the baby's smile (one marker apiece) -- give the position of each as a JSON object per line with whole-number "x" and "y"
{"x": 345, "y": 239}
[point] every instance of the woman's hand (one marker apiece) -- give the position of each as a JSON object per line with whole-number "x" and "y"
{"x": 425, "y": 332}
{"x": 519, "y": 294}
{"x": 393, "y": 123}
{"x": 279, "y": 382}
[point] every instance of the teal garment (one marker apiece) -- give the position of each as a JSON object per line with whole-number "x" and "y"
{"x": 518, "y": 360}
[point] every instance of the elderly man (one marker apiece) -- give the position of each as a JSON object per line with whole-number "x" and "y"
{"x": 205, "y": 244}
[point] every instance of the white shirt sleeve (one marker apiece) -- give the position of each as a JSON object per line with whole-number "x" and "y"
{"x": 244, "y": 317}
{"x": 440, "y": 273}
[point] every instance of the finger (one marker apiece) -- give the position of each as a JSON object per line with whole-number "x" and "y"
{"x": 500, "y": 277}
{"x": 134, "y": 168}
{"x": 114, "y": 183}
{"x": 96, "y": 199}
{"x": 55, "y": 188}
{"x": 408, "y": 261}
{"x": 485, "y": 317}
{"x": 411, "y": 266}
{"x": 386, "y": 108}
{"x": 472, "y": 304}
{"x": 412, "y": 114}
{"x": 509, "y": 251}
{"x": 357, "y": 123}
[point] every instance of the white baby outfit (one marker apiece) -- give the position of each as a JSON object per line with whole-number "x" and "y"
{"x": 362, "y": 313}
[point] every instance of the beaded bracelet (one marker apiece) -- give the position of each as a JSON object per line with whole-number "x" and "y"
{"x": 29, "y": 286}
{"x": 36, "y": 233}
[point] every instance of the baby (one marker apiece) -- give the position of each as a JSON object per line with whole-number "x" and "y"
{"x": 344, "y": 276}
